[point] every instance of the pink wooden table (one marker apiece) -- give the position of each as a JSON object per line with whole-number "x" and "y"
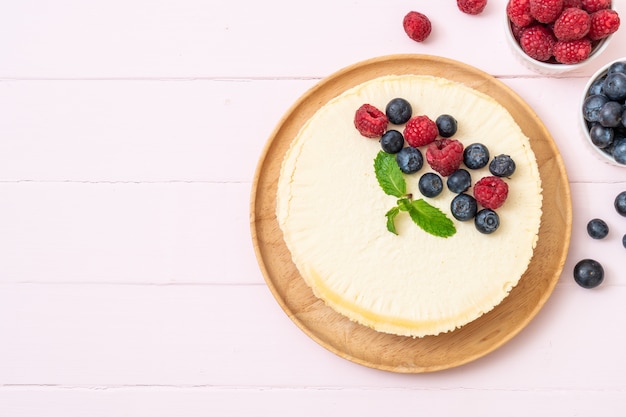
{"x": 129, "y": 136}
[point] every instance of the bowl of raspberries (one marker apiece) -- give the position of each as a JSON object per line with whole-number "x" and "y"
{"x": 603, "y": 112}
{"x": 556, "y": 36}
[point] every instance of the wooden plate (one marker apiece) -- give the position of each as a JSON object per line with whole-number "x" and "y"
{"x": 361, "y": 344}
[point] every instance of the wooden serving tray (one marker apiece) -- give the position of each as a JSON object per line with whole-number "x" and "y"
{"x": 361, "y": 344}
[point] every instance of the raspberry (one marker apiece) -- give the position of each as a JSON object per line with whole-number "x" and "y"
{"x": 572, "y": 24}
{"x": 546, "y": 11}
{"x": 594, "y": 5}
{"x": 538, "y": 42}
{"x": 572, "y": 52}
{"x": 420, "y": 131}
{"x": 603, "y": 23}
{"x": 471, "y": 6}
{"x": 572, "y": 3}
{"x": 518, "y": 12}
{"x": 417, "y": 26}
{"x": 445, "y": 156}
{"x": 491, "y": 192}
{"x": 370, "y": 122}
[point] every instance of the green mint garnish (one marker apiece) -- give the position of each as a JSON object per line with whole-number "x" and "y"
{"x": 391, "y": 180}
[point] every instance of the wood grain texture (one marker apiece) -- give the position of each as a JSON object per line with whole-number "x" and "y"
{"x": 388, "y": 352}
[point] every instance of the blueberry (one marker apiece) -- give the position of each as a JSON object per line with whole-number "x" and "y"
{"x": 459, "y": 181}
{"x": 597, "y": 228}
{"x": 619, "y": 66}
{"x": 588, "y": 273}
{"x": 398, "y": 111}
{"x": 596, "y": 86}
{"x": 620, "y": 203}
{"x": 610, "y": 114}
{"x": 446, "y": 125}
{"x": 601, "y": 136}
{"x": 463, "y": 207}
{"x": 410, "y": 160}
{"x": 392, "y": 141}
{"x": 430, "y": 184}
{"x": 624, "y": 240}
{"x": 614, "y": 86}
{"x": 475, "y": 156}
{"x": 502, "y": 166}
{"x": 624, "y": 118}
{"x": 592, "y": 105}
{"x": 619, "y": 151}
{"x": 487, "y": 221}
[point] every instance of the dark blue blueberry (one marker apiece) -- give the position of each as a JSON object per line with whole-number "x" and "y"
{"x": 597, "y": 228}
{"x": 619, "y": 151}
{"x": 392, "y": 141}
{"x": 619, "y": 66}
{"x": 601, "y": 136}
{"x": 614, "y": 86}
{"x": 592, "y": 106}
{"x": 610, "y": 114}
{"x": 475, "y": 156}
{"x": 446, "y": 125}
{"x": 620, "y": 203}
{"x": 463, "y": 207}
{"x": 624, "y": 118}
{"x": 502, "y": 166}
{"x": 596, "y": 86}
{"x": 430, "y": 184}
{"x": 410, "y": 160}
{"x": 588, "y": 273}
{"x": 624, "y": 240}
{"x": 459, "y": 181}
{"x": 487, "y": 221}
{"x": 398, "y": 111}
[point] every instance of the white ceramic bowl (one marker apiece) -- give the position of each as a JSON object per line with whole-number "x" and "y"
{"x": 549, "y": 68}
{"x": 584, "y": 125}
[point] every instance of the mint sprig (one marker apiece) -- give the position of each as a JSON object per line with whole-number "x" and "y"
{"x": 427, "y": 217}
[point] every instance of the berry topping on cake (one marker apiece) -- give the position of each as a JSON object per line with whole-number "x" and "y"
{"x": 430, "y": 184}
{"x": 603, "y": 23}
{"x": 487, "y": 221}
{"x": 398, "y": 111}
{"x": 417, "y": 26}
{"x": 518, "y": 12}
{"x": 476, "y": 156}
{"x": 572, "y": 24}
{"x": 471, "y": 6}
{"x": 463, "y": 207}
{"x": 370, "y": 121}
{"x": 546, "y": 11}
{"x": 502, "y": 166}
{"x": 491, "y": 192}
{"x": 420, "y": 130}
{"x": 447, "y": 125}
{"x": 410, "y": 160}
{"x": 445, "y": 156}
{"x": 594, "y": 5}
{"x": 572, "y": 52}
{"x": 459, "y": 181}
{"x": 392, "y": 141}
{"x": 537, "y": 42}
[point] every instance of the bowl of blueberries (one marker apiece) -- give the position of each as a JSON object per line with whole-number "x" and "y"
{"x": 603, "y": 115}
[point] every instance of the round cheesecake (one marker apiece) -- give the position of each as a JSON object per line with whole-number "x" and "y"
{"x": 331, "y": 210}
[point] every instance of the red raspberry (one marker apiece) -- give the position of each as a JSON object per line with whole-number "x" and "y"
{"x": 594, "y": 5}
{"x": 546, "y": 11}
{"x": 417, "y": 26}
{"x": 420, "y": 131}
{"x": 370, "y": 122}
{"x": 603, "y": 23}
{"x": 491, "y": 192}
{"x": 445, "y": 156}
{"x": 538, "y": 42}
{"x": 572, "y": 24}
{"x": 572, "y": 3}
{"x": 572, "y": 52}
{"x": 518, "y": 12}
{"x": 471, "y": 6}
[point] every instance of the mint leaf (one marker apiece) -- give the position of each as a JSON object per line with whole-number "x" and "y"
{"x": 431, "y": 219}
{"x": 391, "y": 215}
{"x": 389, "y": 175}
